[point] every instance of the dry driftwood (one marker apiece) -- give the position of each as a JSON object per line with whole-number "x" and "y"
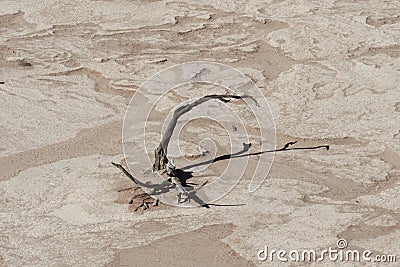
{"x": 162, "y": 163}
{"x": 160, "y": 153}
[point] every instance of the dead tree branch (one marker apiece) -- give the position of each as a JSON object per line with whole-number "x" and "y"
{"x": 160, "y": 153}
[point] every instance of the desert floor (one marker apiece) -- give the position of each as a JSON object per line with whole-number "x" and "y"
{"x": 330, "y": 71}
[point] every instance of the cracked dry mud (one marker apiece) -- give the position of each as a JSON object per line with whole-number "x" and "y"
{"x": 329, "y": 69}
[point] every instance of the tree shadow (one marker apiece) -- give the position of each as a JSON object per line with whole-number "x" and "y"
{"x": 184, "y": 176}
{"x": 191, "y": 191}
{"x": 167, "y": 185}
{"x": 246, "y": 148}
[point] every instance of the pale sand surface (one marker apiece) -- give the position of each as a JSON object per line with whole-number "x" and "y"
{"x": 330, "y": 71}
{"x": 201, "y": 247}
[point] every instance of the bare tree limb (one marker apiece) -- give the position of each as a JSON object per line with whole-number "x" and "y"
{"x": 160, "y": 153}
{"x": 119, "y": 166}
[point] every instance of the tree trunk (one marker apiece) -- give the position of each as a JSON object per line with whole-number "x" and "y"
{"x": 161, "y": 160}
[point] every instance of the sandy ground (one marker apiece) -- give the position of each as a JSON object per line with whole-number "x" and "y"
{"x": 330, "y": 71}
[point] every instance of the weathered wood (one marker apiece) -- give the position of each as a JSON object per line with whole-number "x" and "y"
{"x": 161, "y": 161}
{"x": 119, "y": 166}
{"x": 160, "y": 153}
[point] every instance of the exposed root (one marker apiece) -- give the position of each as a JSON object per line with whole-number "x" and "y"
{"x": 144, "y": 202}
